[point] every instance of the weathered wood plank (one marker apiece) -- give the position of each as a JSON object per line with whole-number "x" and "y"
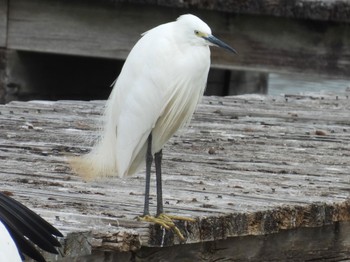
{"x": 325, "y": 10}
{"x": 319, "y": 48}
{"x": 104, "y": 30}
{"x": 294, "y": 245}
{"x": 247, "y": 165}
{"x": 89, "y": 29}
{"x": 3, "y": 41}
{"x": 3, "y": 22}
{"x": 328, "y": 10}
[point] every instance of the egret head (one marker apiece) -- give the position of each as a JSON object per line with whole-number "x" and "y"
{"x": 200, "y": 32}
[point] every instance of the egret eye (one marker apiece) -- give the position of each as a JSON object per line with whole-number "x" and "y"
{"x": 196, "y": 32}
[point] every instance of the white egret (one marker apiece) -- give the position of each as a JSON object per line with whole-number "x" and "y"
{"x": 156, "y": 93}
{"x": 19, "y": 226}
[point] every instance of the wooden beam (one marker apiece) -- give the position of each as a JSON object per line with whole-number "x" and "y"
{"x": 3, "y": 51}
{"x": 86, "y": 29}
{"x": 283, "y": 45}
{"x": 321, "y": 10}
{"x": 325, "y": 10}
{"x": 328, "y": 243}
{"x": 3, "y": 22}
{"x": 105, "y": 30}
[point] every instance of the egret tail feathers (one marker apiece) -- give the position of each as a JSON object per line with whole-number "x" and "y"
{"x": 93, "y": 165}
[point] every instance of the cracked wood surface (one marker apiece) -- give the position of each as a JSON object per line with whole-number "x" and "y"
{"x": 246, "y": 165}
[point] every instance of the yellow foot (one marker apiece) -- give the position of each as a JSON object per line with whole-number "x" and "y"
{"x": 167, "y": 222}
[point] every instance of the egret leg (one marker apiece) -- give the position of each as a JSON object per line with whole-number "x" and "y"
{"x": 158, "y": 163}
{"x": 149, "y": 160}
{"x": 161, "y": 219}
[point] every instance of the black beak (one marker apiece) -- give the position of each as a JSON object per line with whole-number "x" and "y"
{"x": 217, "y": 42}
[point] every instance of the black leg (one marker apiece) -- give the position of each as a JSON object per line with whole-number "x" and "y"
{"x": 158, "y": 162}
{"x": 149, "y": 160}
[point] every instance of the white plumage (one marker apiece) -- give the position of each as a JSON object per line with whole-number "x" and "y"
{"x": 8, "y": 248}
{"x": 157, "y": 91}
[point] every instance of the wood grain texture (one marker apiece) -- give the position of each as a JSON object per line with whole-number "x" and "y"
{"x": 247, "y": 165}
{"x": 301, "y": 244}
{"x": 99, "y": 29}
{"x": 89, "y": 29}
{"x": 324, "y": 10}
{"x": 268, "y": 44}
{"x": 328, "y": 10}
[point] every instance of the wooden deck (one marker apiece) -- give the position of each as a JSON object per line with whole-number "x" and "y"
{"x": 246, "y": 166}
